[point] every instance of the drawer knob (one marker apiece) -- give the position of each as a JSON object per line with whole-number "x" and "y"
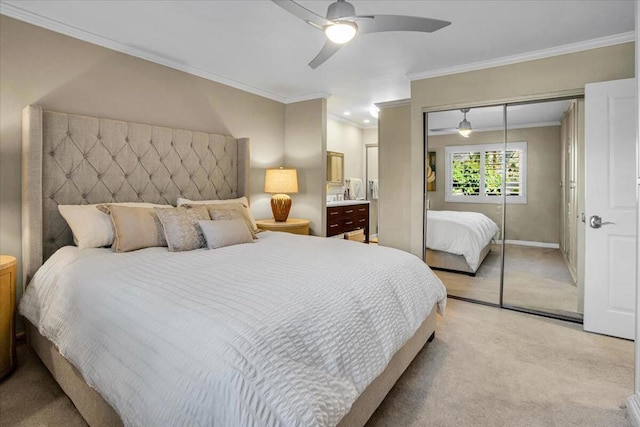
{"x": 333, "y": 225}
{"x": 349, "y": 211}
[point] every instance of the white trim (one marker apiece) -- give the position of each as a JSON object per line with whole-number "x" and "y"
{"x": 530, "y": 243}
{"x": 16, "y": 12}
{"x": 346, "y": 121}
{"x": 633, "y": 409}
{"x": 529, "y": 56}
{"x": 500, "y": 128}
{"x": 391, "y": 104}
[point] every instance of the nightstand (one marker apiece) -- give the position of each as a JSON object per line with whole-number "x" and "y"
{"x": 7, "y": 314}
{"x": 291, "y": 225}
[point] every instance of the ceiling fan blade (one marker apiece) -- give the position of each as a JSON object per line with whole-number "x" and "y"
{"x": 326, "y": 52}
{"x": 381, "y": 23}
{"x": 443, "y": 130}
{"x": 302, "y": 13}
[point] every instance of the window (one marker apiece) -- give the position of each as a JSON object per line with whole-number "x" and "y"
{"x": 475, "y": 173}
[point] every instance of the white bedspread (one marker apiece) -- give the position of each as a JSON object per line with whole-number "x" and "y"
{"x": 460, "y": 233}
{"x": 288, "y": 330}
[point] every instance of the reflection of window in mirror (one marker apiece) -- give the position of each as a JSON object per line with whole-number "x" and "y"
{"x": 335, "y": 168}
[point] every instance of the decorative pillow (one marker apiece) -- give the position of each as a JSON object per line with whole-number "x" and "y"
{"x": 181, "y": 227}
{"x": 136, "y": 228}
{"x": 91, "y": 227}
{"x": 221, "y": 211}
{"x": 221, "y": 233}
{"x": 242, "y": 200}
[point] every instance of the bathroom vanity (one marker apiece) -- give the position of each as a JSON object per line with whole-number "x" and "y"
{"x": 348, "y": 215}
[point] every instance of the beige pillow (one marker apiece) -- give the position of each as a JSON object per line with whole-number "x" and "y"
{"x": 181, "y": 227}
{"x": 91, "y": 226}
{"x": 136, "y": 228}
{"x": 242, "y": 200}
{"x": 226, "y": 232}
{"x": 221, "y": 211}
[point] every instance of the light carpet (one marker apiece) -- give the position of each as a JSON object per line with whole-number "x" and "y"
{"x": 486, "y": 367}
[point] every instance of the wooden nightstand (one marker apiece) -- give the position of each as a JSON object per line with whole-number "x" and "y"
{"x": 292, "y": 225}
{"x": 7, "y": 314}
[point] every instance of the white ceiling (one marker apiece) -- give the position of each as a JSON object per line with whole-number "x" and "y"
{"x": 259, "y": 47}
{"x": 548, "y": 113}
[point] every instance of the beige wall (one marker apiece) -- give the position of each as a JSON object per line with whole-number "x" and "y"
{"x": 543, "y": 78}
{"x": 347, "y": 139}
{"x": 42, "y": 67}
{"x": 539, "y": 219}
{"x": 394, "y": 157}
{"x": 305, "y": 149}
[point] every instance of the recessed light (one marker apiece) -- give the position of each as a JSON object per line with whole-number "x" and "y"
{"x": 367, "y": 121}
{"x": 347, "y": 113}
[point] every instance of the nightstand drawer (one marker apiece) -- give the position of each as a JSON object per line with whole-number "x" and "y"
{"x": 334, "y": 227}
{"x": 334, "y": 213}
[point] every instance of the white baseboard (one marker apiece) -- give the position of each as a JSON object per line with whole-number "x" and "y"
{"x": 529, "y": 243}
{"x": 373, "y": 235}
{"x": 633, "y": 409}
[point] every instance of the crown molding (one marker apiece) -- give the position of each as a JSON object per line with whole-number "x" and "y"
{"x": 15, "y": 12}
{"x": 309, "y": 97}
{"x": 391, "y": 104}
{"x": 529, "y": 56}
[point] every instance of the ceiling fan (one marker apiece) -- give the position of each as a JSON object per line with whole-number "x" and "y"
{"x": 342, "y": 24}
{"x": 464, "y": 127}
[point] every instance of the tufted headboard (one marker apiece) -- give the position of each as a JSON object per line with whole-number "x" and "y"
{"x": 71, "y": 159}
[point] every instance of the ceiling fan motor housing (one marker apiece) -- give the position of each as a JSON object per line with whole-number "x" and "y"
{"x": 340, "y": 9}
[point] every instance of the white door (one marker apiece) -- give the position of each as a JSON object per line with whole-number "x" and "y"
{"x": 610, "y": 208}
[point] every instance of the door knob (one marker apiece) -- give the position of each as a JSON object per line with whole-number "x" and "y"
{"x": 596, "y": 222}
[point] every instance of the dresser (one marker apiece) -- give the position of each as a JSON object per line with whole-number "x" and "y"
{"x": 291, "y": 225}
{"x": 7, "y": 314}
{"x": 348, "y": 217}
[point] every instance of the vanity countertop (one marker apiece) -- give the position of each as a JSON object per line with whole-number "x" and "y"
{"x": 347, "y": 202}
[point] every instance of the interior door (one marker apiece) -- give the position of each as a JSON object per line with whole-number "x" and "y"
{"x": 610, "y": 208}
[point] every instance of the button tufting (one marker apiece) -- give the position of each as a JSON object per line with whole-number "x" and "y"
{"x": 126, "y": 176}
{"x": 139, "y": 158}
{"x": 84, "y": 156}
{"x": 68, "y": 133}
{"x": 51, "y": 197}
{"x": 138, "y": 194}
{"x": 171, "y": 143}
{"x": 52, "y": 240}
{"x": 113, "y": 196}
{"x": 99, "y": 136}
{"x": 151, "y": 141}
{"x": 126, "y": 139}
{"x": 99, "y": 176}
{"x": 171, "y": 176}
{"x": 84, "y": 196}
{"x": 51, "y": 153}
{"x": 68, "y": 176}
{"x": 113, "y": 157}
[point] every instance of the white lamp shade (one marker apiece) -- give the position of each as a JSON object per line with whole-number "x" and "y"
{"x": 341, "y": 32}
{"x": 281, "y": 181}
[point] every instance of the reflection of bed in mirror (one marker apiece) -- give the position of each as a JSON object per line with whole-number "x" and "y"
{"x": 458, "y": 241}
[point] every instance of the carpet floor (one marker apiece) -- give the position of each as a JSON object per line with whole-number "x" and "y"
{"x": 534, "y": 278}
{"x": 486, "y": 367}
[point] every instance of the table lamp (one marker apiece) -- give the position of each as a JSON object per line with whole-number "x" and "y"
{"x": 280, "y": 181}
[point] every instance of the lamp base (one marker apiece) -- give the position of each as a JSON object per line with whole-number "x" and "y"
{"x": 280, "y": 206}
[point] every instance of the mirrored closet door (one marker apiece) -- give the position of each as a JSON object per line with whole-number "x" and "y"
{"x": 503, "y": 205}
{"x": 464, "y": 209}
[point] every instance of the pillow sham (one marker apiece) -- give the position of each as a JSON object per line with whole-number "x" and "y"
{"x": 221, "y": 233}
{"x": 181, "y": 227}
{"x": 242, "y": 200}
{"x": 221, "y": 211}
{"x": 136, "y": 228}
{"x": 91, "y": 227}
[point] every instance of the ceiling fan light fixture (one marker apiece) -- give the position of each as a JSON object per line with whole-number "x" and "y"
{"x": 464, "y": 128}
{"x": 341, "y": 32}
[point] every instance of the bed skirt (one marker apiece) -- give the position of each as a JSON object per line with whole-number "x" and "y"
{"x": 451, "y": 262}
{"x": 98, "y": 413}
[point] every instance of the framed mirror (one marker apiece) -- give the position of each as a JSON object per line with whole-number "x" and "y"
{"x": 335, "y": 168}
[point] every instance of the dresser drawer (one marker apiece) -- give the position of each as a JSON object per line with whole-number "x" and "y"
{"x": 361, "y": 210}
{"x": 334, "y": 227}
{"x": 334, "y": 213}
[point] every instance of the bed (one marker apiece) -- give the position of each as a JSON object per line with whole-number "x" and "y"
{"x": 458, "y": 241}
{"x": 288, "y": 330}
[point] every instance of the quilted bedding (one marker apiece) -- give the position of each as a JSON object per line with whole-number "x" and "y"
{"x": 288, "y": 330}
{"x": 460, "y": 233}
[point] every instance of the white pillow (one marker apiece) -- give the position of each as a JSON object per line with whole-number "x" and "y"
{"x": 243, "y": 200}
{"x": 92, "y": 228}
{"x": 226, "y": 232}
